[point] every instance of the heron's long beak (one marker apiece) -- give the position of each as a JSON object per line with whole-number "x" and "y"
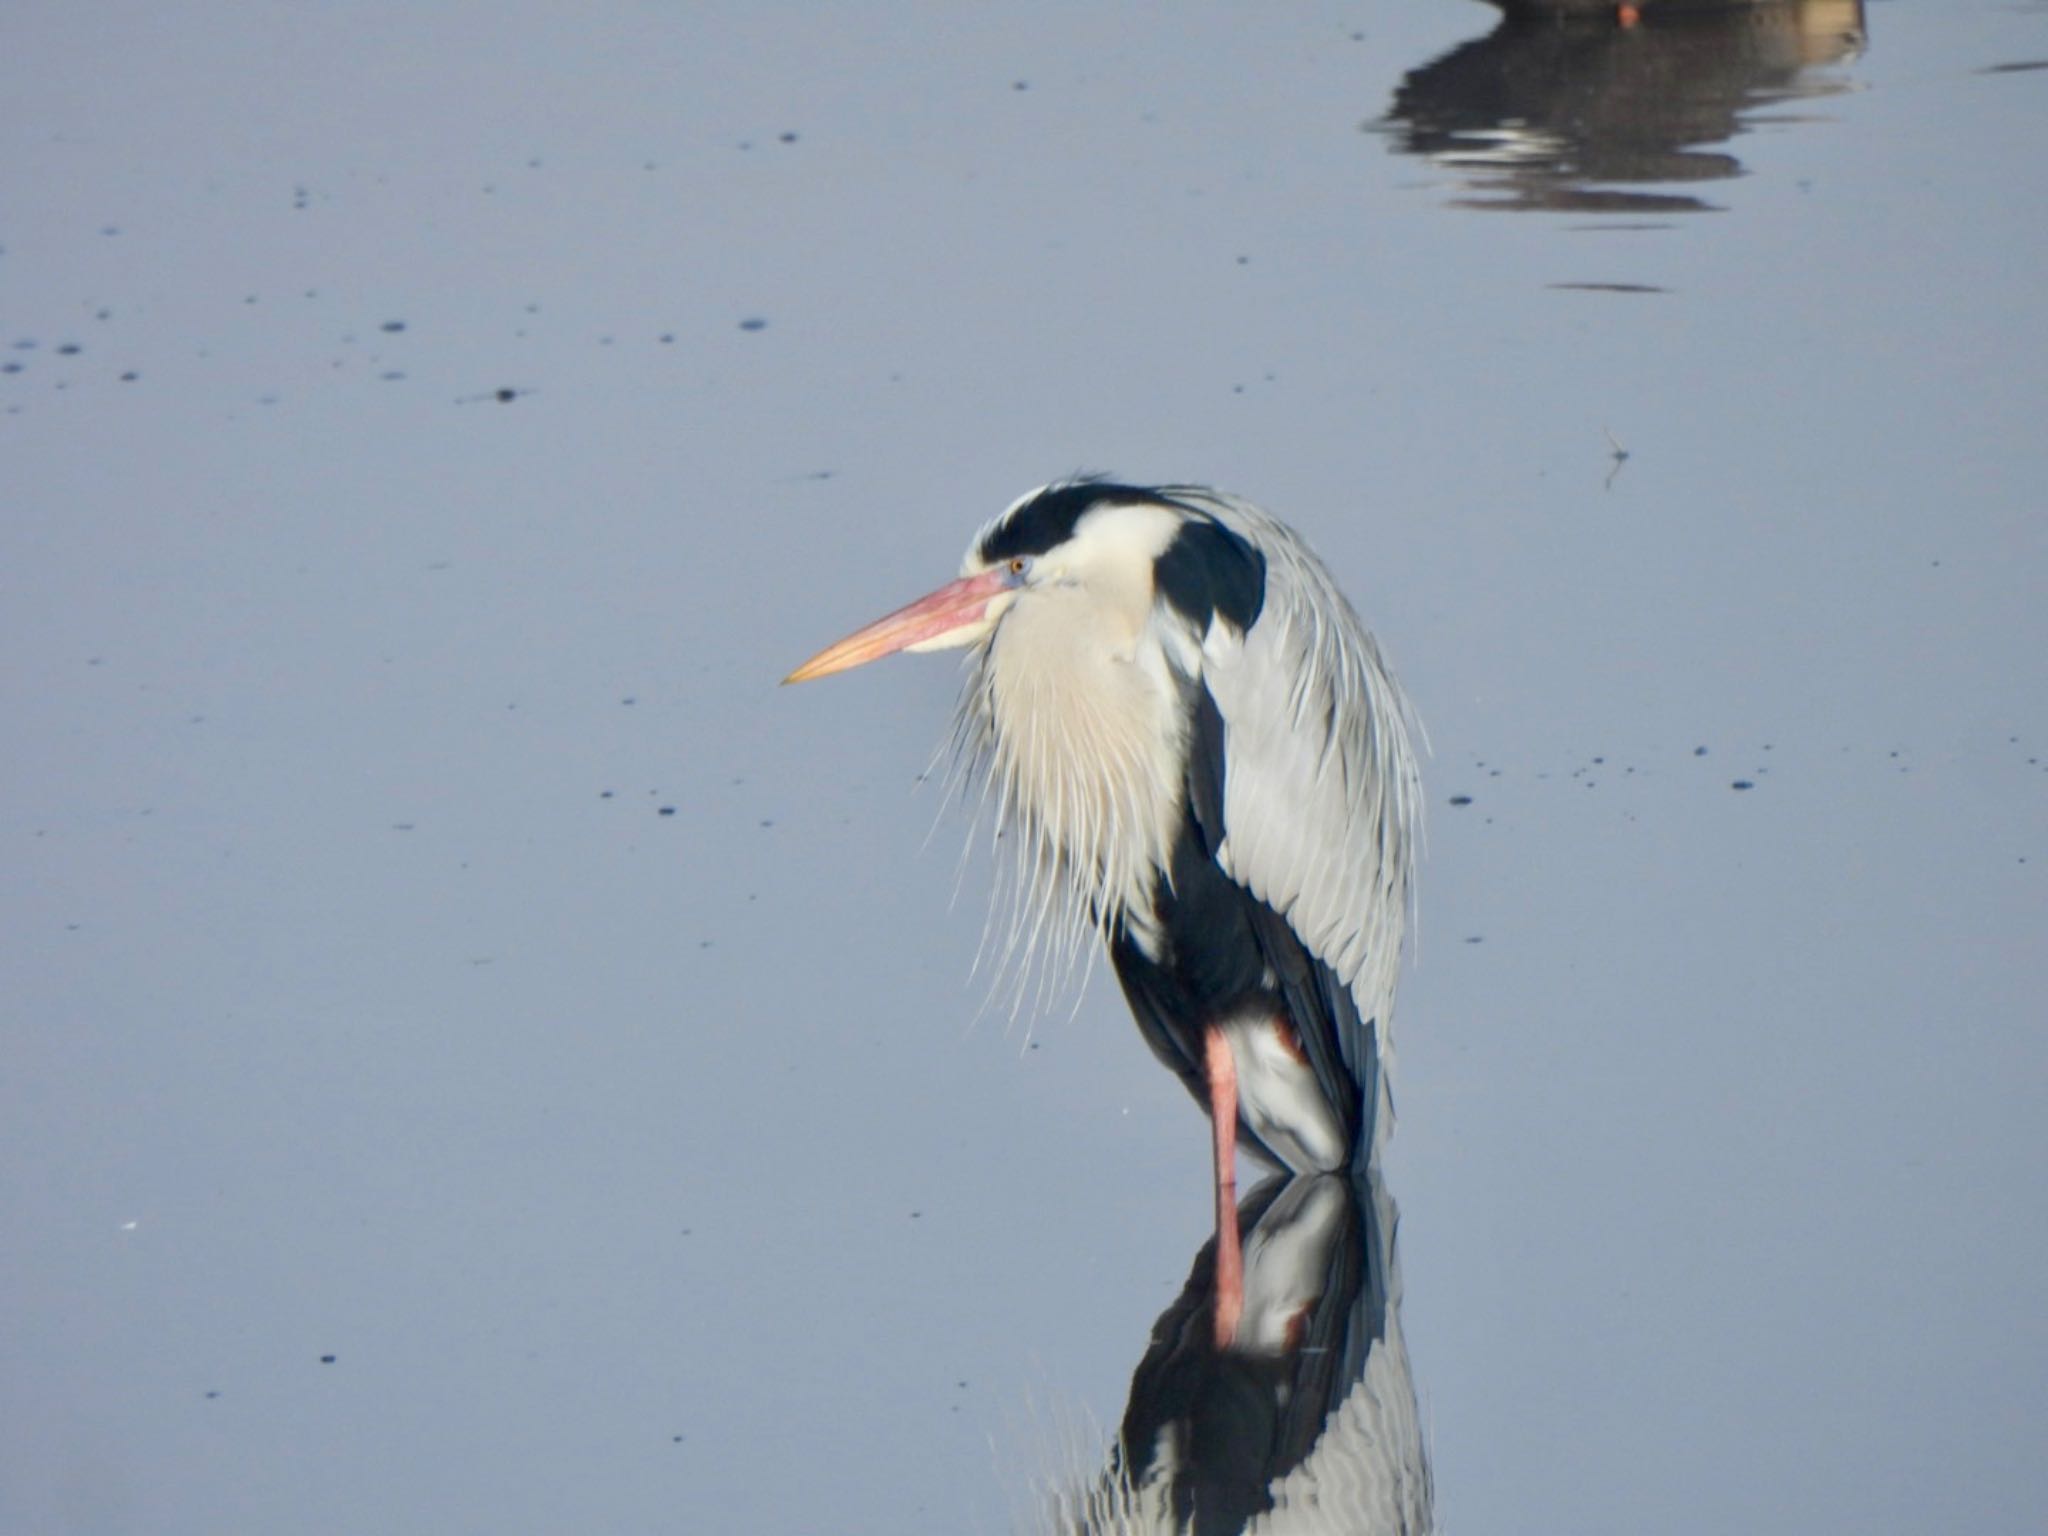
{"x": 953, "y": 615}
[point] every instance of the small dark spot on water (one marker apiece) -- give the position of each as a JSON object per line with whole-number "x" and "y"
{"x": 403, "y": 826}
{"x": 1020, "y": 85}
{"x": 26, "y": 344}
{"x": 394, "y": 326}
{"x": 210, "y": 1396}
{"x": 10, "y": 367}
{"x": 1461, "y": 799}
{"x": 391, "y": 375}
{"x": 667, "y": 338}
{"x": 915, "y": 1215}
{"x": 327, "y": 1359}
{"x": 130, "y": 376}
{"x": 753, "y": 323}
{"x": 675, "y": 1439}
{"x": 768, "y": 823}
{"x": 1743, "y": 784}
{"x": 787, "y": 138}
{"x": 604, "y": 794}
{"x": 110, "y": 230}
{"x": 506, "y": 395}
{"x": 2019, "y": 68}
{"x": 1475, "y": 938}
{"x": 70, "y": 349}
{"x": 629, "y": 700}
{"x": 666, "y": 810}
{"x": 1699, "y": 751}
{"x": 1606, "y": 287}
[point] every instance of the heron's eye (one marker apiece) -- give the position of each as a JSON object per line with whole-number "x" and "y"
{"x": 1019, "y": 565}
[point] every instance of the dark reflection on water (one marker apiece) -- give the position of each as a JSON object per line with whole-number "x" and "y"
{"x": 1306, "y": 1423}
{"x": 1585, "y": 110}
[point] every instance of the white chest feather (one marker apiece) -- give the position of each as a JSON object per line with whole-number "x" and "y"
{"x": 1087, "y": 749}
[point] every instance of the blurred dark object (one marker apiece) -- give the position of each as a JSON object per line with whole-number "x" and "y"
{"x": 1585, "y": 107}
{"x": 1627, "y": 14}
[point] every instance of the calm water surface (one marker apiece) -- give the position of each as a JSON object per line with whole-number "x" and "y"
{"x": 480, "y": 1057}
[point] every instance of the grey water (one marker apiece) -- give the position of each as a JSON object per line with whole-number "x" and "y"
{"x": 479, "y": 1056}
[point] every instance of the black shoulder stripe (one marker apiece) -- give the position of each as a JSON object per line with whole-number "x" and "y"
{"x": 1208, "y": 570}
{"x": 1206, "y": 770}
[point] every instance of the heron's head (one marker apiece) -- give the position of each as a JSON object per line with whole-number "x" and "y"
{"x": 1127, "y": 550}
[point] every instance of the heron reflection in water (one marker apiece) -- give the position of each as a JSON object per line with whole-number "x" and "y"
{"x": 1306, "y": 1424}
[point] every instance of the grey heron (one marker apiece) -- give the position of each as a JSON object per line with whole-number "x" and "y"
{"x": 1206, "y": 761}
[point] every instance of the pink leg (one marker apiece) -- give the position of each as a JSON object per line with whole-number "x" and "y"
{"x": 1222, "y": 1073}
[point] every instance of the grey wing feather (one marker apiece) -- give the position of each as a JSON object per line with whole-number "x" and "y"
{"x": 1322, "y": 794}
